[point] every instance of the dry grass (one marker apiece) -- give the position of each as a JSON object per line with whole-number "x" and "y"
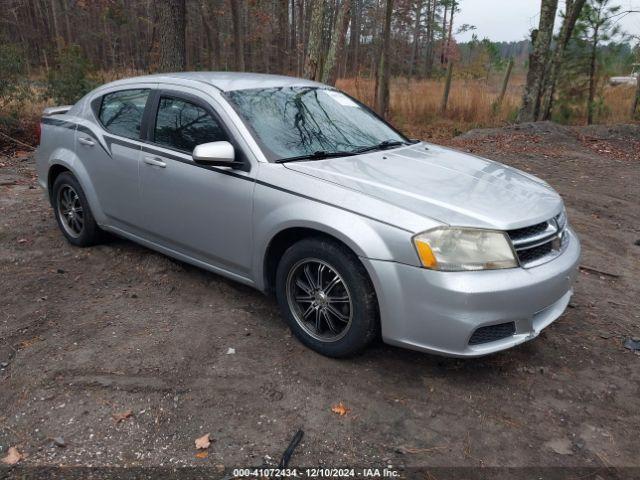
{"x": 617, "y": 101}
{"x": 415, "y": 104}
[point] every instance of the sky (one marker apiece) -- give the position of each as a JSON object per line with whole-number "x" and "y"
{"x": 507, "y": 20}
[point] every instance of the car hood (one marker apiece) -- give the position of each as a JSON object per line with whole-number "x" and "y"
{"x": 443, "y": 184}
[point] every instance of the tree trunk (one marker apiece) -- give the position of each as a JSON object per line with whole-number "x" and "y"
{"x": 538, "y": 61}
{"x": 447, "y": 88}
{"x": 592, "y": 77}
{"x": 56, "y": 28}
{"x": 211, "y": 34}
{"x": 67, "y": 14}
{"x": 238, "y": 37}
{"x": 313, "y": 61}
{"x": 300, "y": 40}
{"x": 293, "y": 52}
{"x": 338, "y": 38}
{"x": 416, "y": 38}
{"x": 505, "y": 84}
{"x": 171, "y": 19}
{"x": 281, "y": 43}
{"x": 429, "y": 50}
{"x": 382, "y": 77}
{"x": 453, "y": 10}
{"x": 444, "y": 32}
{"x": 572, "y": 12}
{"x": 354, "y": 40}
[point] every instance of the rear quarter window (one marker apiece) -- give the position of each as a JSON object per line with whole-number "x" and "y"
{"x": 121, "y": 112}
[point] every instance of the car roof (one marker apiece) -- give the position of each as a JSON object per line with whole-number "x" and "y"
{"x": 225, "y": 81}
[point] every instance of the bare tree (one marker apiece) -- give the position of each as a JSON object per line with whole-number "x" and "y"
{"x": 505, "y": 84}
{"x": 382, "y": 78}
{"x": 430, "y": 37}
{"x": 444, "y": 31}
{"x": 354, "y": 40}
{"x": 238, "y": 34}
{"x": 453, "y": 10}
{"x": 313, "y": 61}
{"x": 329, "y": 72}
{"x": 281, "y": 39}
{"x": 210, "y": 27}
{"x": 171, "y": 19}
{"x": 538, "y": 60}
{"x": 56, "y": 28}
{"x": 416, "y": 37}
{"x": 571, "y": 14}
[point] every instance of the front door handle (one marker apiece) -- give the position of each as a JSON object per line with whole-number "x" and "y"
{"x": 154, "y": 161}
{"x": 86, "y": 141}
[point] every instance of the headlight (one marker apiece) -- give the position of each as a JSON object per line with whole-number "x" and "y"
{"x": 454, "y": 249}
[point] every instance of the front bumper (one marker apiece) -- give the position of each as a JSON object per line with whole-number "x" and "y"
{"x": 438, "y": 312}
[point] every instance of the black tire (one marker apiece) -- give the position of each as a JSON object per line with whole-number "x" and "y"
{"x": 364, "y": 321}
{"x": 90, "y": 233}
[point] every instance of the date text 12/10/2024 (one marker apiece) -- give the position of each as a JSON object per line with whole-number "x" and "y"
{"x": 317, "y": 472}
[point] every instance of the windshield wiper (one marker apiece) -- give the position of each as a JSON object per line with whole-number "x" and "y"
{"x": 321, "y": 154}
{"x": 381, "y": 146}
{"x": 318, "y": 155}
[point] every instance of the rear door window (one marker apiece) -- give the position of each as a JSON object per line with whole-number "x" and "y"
{"x": 183, "y": 125}
{"x": 121, "y": 112}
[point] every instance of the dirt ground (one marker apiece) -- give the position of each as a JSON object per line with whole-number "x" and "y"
{"x": 86, "y": 334}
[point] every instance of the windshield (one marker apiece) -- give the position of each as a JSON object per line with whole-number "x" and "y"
{"x": 294, "y": 122}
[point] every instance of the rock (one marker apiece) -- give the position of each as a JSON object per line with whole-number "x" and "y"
{"x": 59, "y": 442}
{"x": 13, "y": 456}
{"x": 4, "y": 364}
{"x": 632, "y": 344}
{"x": 561, "y": 446}
{"x": 231, "y": 351}
{"x": 60, "y": 270}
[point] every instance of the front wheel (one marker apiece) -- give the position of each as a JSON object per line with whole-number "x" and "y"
{"x": 326, "y": 297}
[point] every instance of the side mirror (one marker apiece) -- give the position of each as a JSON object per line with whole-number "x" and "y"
{"x": 220, "y": 154}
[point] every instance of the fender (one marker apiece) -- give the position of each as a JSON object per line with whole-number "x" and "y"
{"x": 365, "y": 238}
{"x": 71, "y": 162}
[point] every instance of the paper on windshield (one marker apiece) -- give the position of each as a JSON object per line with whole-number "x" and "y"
{"x": 341, "y": 98}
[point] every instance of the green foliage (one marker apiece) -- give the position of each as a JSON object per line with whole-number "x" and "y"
{"x": 13, "y": 88}
{"x": 70, "y": 79}
{"x": 512, "y": 116}
{"x": 482, "y": 57}
{"x": 12, "y": 67}
{"x": 573, "y": 84}
{"x": 593, "y": 40}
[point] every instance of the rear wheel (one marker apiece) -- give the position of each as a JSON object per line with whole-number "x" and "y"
{"x": 72, "y": 212}
{"x": 326, "y": 297}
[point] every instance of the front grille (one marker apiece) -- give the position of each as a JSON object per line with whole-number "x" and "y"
{"x": 538, "y": 243}
{"x": 526, "y": 232}
{"x": 532, "y": 254}
{"x": 491, "y": 333}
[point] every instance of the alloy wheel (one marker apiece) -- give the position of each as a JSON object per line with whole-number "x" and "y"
{"x": 319, "y": 299}
{"x": 70, "y": 211}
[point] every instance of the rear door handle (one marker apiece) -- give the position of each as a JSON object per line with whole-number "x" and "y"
{"x": 86, "y": 141}
{"x": 154, "y": 161}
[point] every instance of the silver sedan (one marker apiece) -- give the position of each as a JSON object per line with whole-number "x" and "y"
{"x": 297, "y": 189}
